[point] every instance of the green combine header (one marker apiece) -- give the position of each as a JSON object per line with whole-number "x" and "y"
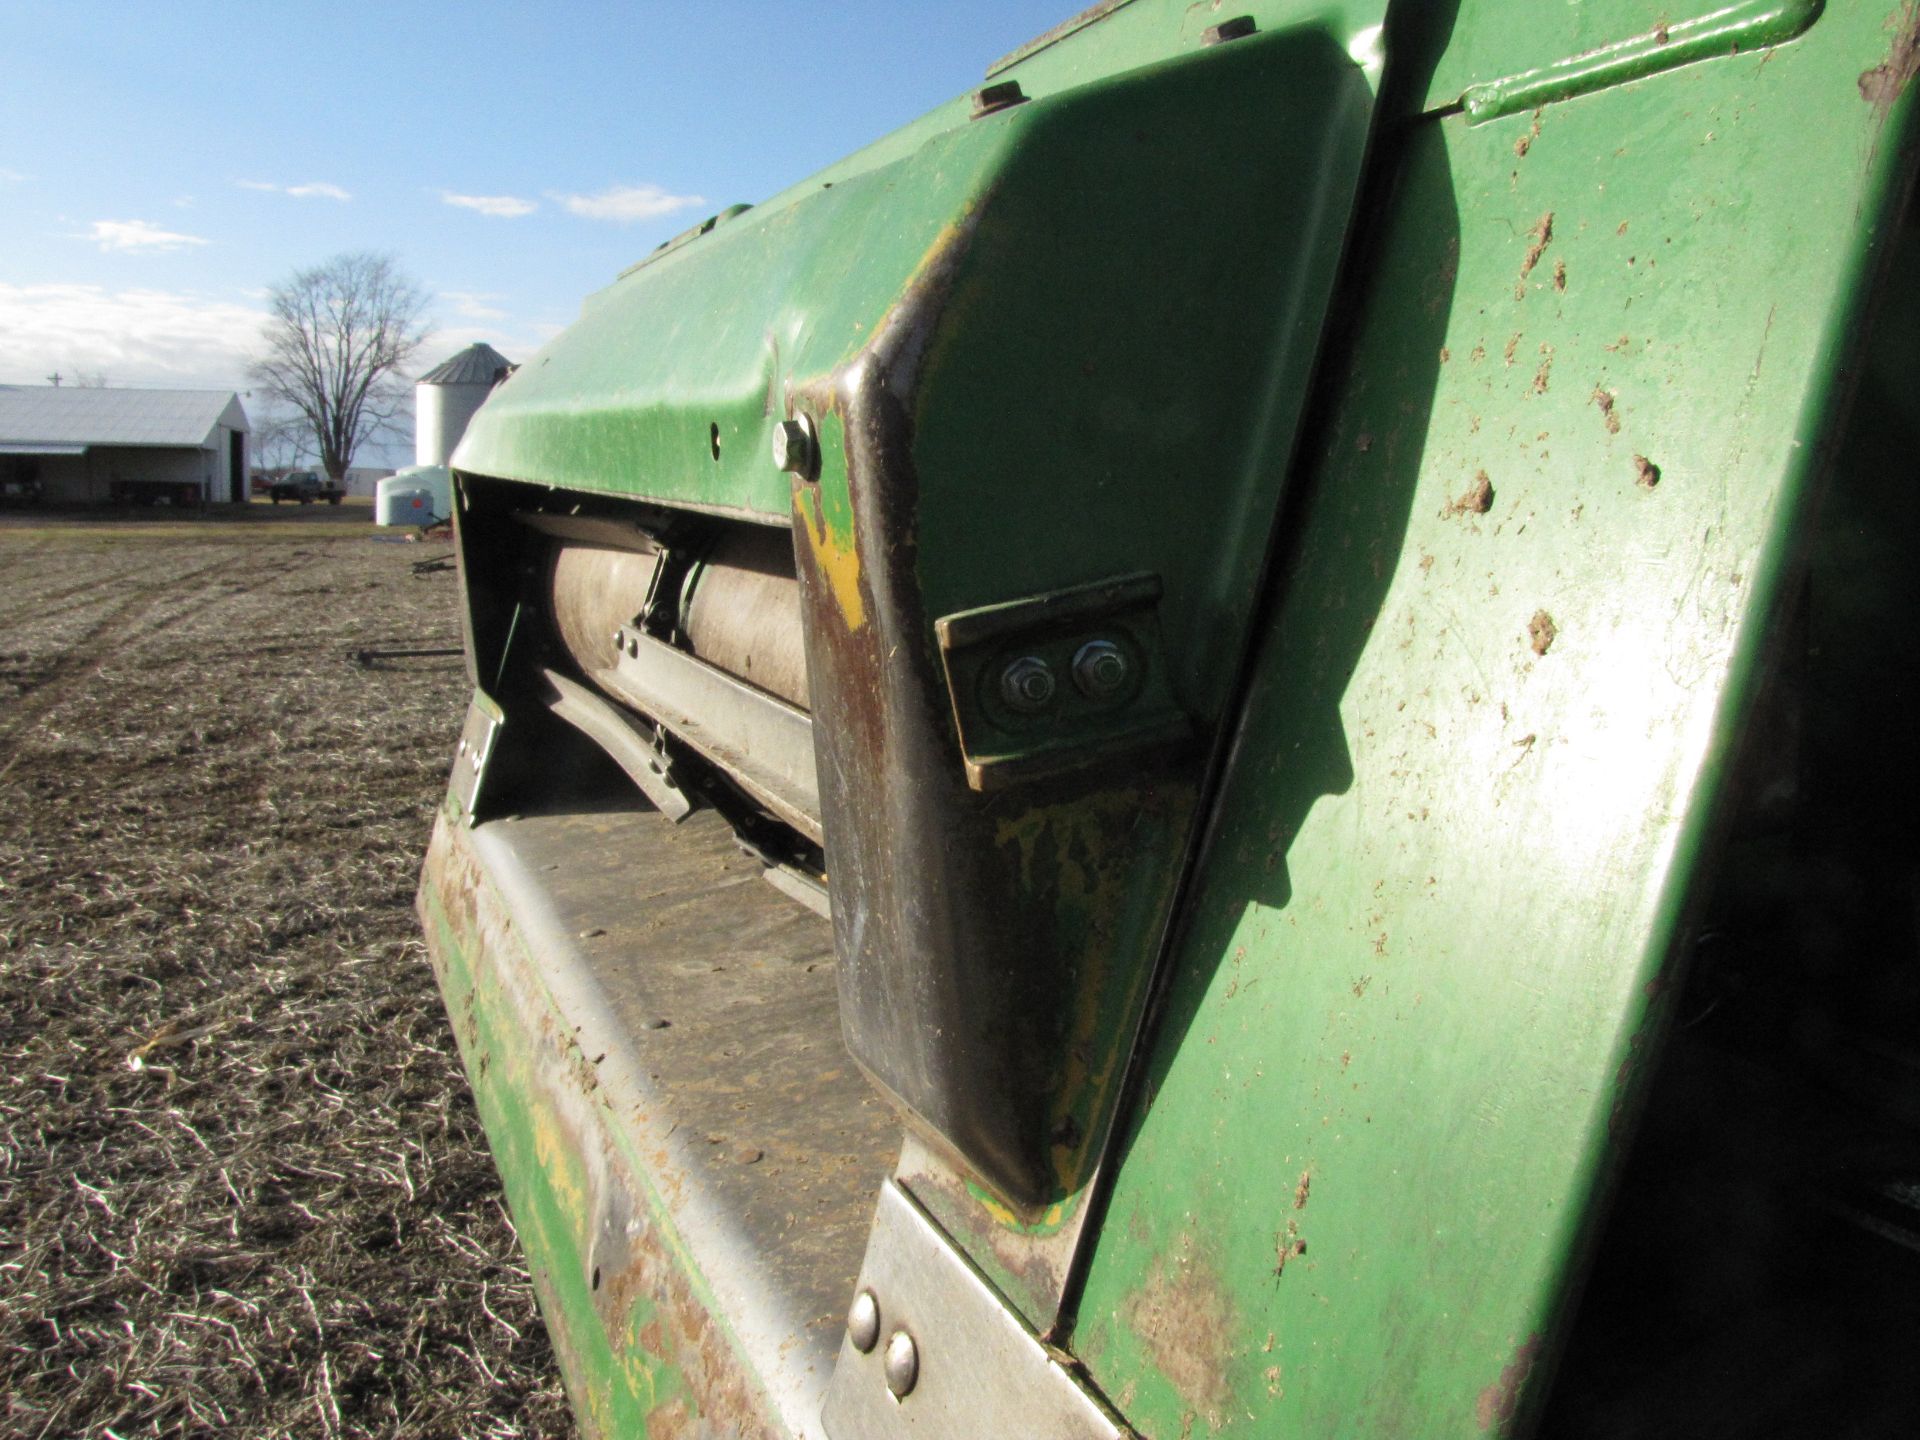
{"x": 1223, "y": 743}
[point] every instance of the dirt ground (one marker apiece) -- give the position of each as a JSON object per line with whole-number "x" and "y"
{"x": 242, "y": 1187}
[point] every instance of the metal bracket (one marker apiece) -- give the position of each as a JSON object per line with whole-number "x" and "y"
{"x": 932, "y": 1351}
{"x": 764, "y": 743}
{"x": 477, "y": 737}
{"x": 1055, "y": 682}
{"x": 624, "y": 740}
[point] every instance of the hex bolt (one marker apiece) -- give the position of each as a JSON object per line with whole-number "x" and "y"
{"x": 794, "y": 450}
{"x": 863, "y": 1322}
{"x": 902, "y": 1364}
{"x": 1027, "y": 685}
{"x": 1237, "y": 28}
{"x": 1100, "y": 670}
{"x": 991, "y": 99}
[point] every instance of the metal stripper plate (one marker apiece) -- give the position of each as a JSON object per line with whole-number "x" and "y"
{"x": 477, "y": 736}
{"x": 976, "y": 1368}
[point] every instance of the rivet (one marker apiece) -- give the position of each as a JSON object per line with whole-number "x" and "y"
{"x": 633, "y": 647}
{"x": 1100, "y": 670}
{"x": 992, "y": 98}
{"x": 863, "y": 1322}
{"x": 1027, "y": 685}
{"x": 794, "y": 450}
{"x": 902, "y": 1364}
{"x": 1237, "y": 28}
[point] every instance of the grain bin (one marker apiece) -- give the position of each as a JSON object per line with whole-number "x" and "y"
{"x": 446, "y": 397}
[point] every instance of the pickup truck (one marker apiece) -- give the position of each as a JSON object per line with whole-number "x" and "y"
{"x": 306, "y": 486}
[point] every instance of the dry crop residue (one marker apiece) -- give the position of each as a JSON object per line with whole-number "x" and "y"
{"x": 242, "y": 1187}
{"x": 1542, "y": 234}
{"x": 1476, "y": 499}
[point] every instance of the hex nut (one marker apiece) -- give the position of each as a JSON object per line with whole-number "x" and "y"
{"x": 1027, "y": 685}
{"x": 863, "y": 1322}
{"x": 794, "y": 450}
{"x": 991, "y": 99}
{"x": 1237, "y": 28}
{"x": 902, "y": 1365}
{"x": 1100, "y": 670}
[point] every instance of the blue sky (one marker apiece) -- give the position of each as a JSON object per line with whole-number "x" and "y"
{"x": 161, "y": 165}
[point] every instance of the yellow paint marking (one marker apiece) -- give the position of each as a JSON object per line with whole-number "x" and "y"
{"x": 838, "y": 562}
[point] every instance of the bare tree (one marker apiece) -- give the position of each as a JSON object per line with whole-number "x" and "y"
{"x": 282, "y": 441}
{"x": 339, "y": 338}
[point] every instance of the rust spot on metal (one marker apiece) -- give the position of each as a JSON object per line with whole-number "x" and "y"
{"x": 1883, "y": 84}
{"x": 1501, "y": 1398}
{"x": 1184, "y": 1320}
{"x": 1541, "y": 631}
{"x": 1305, "y": 1187}
{"x": 1646, "y": 474}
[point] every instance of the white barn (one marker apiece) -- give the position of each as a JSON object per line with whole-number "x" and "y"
{"x": 65, "y": 445}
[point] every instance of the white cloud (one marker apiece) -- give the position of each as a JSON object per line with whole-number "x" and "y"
{"x": 472, "y": 305}
{"x": 312, "y": 189}
{"x": 627, "y": 203}
{"x": 138, "y": 236}
{"x": 153, "y": 337}
{"x": 507, "y": 207}
{"x": 11, "y": 177}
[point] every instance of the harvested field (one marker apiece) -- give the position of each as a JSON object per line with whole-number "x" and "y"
{"x": 242, "y": 1187}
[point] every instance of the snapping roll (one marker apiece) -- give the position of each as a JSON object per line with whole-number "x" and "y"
{"x": 719, "y": 663}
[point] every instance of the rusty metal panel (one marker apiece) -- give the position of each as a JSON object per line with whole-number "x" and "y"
{"x": 689, "y": 1155}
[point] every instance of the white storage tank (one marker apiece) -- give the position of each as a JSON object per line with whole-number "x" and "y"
{"x": 417, "y": 495}
{"x": 446, "y": 396}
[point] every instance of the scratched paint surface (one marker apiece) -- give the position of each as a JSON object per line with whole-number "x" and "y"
{"x": 1515, "y": 628}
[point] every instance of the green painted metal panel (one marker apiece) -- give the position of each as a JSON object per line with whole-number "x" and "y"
{"x": 1523, "y": 599}
{"x": 668, "y": 384}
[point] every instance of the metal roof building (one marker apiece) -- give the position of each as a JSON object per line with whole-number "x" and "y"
{"x": 70, "y": 445}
